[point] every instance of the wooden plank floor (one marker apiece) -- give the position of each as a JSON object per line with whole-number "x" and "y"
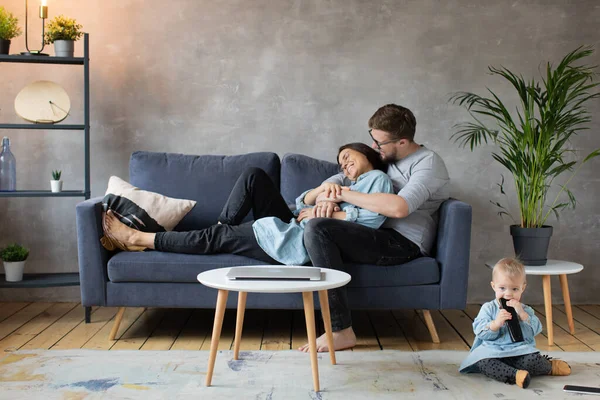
{"x": 30, "y": 326}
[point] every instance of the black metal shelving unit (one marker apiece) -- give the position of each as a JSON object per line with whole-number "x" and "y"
{"x": 55, "y": 279}
{"x": 42, "y": 280}
{"x": 43, "y": 126}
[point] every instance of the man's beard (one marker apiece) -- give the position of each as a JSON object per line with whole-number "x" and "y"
{"x": 387, "y": 158}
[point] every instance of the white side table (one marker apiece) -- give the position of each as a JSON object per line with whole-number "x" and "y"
{"x": 562, "y": 269}
{"x": 217, "y": 279}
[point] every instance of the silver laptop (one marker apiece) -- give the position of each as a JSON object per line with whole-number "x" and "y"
{"x": 275, "y": 273}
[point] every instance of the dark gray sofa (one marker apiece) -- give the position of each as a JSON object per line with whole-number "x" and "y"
{"x": 156, "y": 279}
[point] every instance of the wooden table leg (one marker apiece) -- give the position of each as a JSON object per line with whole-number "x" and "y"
{"x": 435, "y": 338}
{"x": 309, "y": 315}
{"x": 115, "y": 328}
{"x": 565, "y": 290}
{"x": 239, "y": 323}
{"x": 548, "y": 308}
{"x": 216, "y": 333}
{"x": 324, "y": 300}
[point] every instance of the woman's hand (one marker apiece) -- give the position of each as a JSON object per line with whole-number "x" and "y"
{"x": 324, "y": 209}
{"x": 305, "y": 213}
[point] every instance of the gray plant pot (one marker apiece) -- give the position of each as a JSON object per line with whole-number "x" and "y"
{"x": 64, "y": 48}
{"x": 531, "y": 244}
{"x": 4, "y": 46}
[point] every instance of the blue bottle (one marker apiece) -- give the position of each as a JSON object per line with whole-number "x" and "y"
{"x": 8, "y": 168}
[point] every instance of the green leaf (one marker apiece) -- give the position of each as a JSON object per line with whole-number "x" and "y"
{"x": 9, "y": 25}
{"x": 593, "y": 154}
{"x": 62, "y": 28}
{"x": 14, "y": 253}
{"x": 532, "y": 142}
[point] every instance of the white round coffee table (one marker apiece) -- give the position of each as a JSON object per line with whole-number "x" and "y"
{"x": 553, "y": 267}
{"x": 216, "y": 278}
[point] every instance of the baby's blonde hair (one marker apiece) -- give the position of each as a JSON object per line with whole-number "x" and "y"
{"x": 511, "y": 267}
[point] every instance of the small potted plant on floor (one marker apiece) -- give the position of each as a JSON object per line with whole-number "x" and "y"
{"x": 63, "y": 32}
{"x": 56, "y": 183}
{"x": 9, "y": 29}
{"x": 14, "y": 257}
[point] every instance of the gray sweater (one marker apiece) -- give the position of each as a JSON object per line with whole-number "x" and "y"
{"x": 421, "y": 178}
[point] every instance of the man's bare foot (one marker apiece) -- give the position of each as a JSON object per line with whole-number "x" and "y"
{"x": 126, "y": 235}
{"x": 344, "y": 339}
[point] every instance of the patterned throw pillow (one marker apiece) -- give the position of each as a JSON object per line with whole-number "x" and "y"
{"x": 141, "y": 210}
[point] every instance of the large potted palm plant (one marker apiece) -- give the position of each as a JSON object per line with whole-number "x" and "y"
{"x": 533, "y": 142}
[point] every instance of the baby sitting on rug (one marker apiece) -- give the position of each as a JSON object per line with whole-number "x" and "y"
{"x": 494, "y": 353}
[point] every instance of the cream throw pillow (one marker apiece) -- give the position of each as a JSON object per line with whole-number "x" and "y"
{"x": 142, "y": 210}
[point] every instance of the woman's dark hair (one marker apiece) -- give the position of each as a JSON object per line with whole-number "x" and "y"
{"x": 372, "y": 155}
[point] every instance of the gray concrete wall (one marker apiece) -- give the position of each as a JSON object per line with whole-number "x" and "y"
{"x": 233, "y": 76}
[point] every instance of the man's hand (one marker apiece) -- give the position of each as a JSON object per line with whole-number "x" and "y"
{"x": 324, "y": 209}
{"x": 333, "y": 197}
{"x": 330, "y": 189}
{"x": 305, "y": 213}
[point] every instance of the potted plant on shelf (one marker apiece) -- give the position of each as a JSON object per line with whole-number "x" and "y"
{"x": 63, "y": 32}
{"x": 14, "y": 257}
{"x": 56, "y": 183}
{"x": 534, "y": 144}
{"x": 9, "y": 29}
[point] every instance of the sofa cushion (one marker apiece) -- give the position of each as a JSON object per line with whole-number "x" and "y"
{"x": 207, "y": 179}
{"x": 300, "y": 173}
{"x": 156, "y": 266}
{"x": 421, "y": 271}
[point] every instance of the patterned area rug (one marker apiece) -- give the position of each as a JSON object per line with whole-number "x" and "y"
{"x": 269, "y": 375}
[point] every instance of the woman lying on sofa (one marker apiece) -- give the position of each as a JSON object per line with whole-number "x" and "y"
{"x": 276, "y": 234}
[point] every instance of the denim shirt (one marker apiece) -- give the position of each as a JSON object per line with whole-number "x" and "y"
{"x": 490, "y": 344}
{"x": 284, "y": 242}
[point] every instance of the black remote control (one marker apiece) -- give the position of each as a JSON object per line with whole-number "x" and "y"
{"x": 514, "y": 327}
{"x": 582, "y": 389}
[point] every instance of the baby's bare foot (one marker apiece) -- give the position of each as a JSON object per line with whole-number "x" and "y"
{"x": 344, "y": 339}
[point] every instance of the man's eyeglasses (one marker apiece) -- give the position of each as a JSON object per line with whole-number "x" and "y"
{"x": 379, "y": 144}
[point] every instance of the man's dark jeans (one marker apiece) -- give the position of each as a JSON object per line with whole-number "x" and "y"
{"x": 331, "y": 243}
{"x": 253, "y": 191}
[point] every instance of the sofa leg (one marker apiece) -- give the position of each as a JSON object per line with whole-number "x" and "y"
{"x": 88, "y": 314}
{"x": 115, "y": 327}
{"x": 431, "y": 326}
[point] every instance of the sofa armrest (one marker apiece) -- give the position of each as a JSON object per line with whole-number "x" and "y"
{"x": 453, "y": 251}
{"x": 93, "y": 258}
